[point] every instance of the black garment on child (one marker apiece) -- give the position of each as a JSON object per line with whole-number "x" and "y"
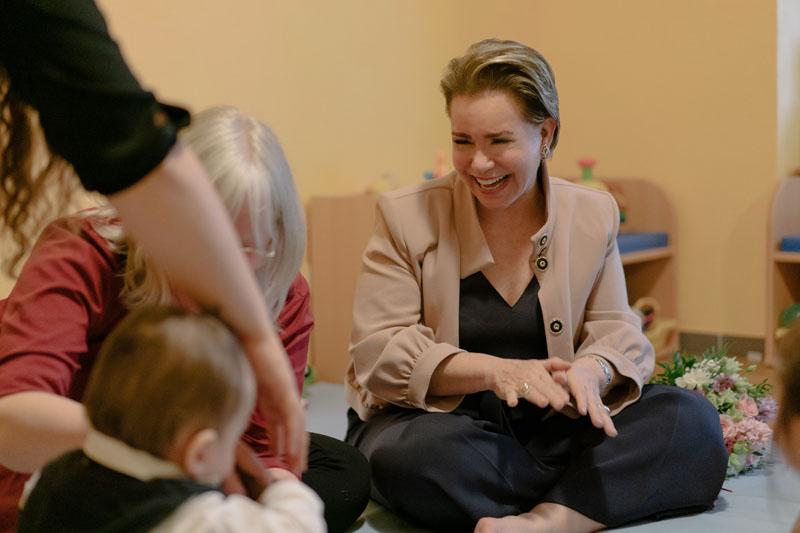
{"x": 75, "y": 494}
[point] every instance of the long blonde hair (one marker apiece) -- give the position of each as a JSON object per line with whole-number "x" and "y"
{"x": 248, "y": 168}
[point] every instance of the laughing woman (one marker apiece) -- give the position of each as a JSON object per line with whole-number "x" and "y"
{"x": 498, "y": 373}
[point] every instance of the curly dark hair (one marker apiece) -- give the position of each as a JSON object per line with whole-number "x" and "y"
{"x": 36, "y": 184}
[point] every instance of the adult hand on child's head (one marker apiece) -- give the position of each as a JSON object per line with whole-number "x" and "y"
{"x": 279, "y": 401}
{"x": 585, "y": 380}
{"x": 531, "y": 380}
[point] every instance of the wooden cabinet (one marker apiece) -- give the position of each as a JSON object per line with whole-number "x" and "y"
{"x": 650, "y": 272}
{"x": 339, "y": 228}
{"x": 783, "y": 268}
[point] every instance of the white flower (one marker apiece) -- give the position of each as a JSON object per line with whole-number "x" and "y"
{"x": 710, "y": 367}
{"x": 695, "y": 378}
{"x": 730, "y": 366}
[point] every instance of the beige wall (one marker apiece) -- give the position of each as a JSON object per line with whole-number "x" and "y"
{"x": 788, "y": 86}
{"x": 681, "y": 92}
{"x": 349, "y": 87}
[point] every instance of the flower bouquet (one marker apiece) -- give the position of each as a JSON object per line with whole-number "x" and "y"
{"x": 744, "y": 409}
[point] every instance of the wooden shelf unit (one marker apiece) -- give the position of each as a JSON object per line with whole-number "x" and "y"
{"x": 643, "y": 256}
{"x": 783, "y": 268}
{"x": 339, "y": 228}
{"x": 786, "y": 257}
{"x": 650, "y": 272}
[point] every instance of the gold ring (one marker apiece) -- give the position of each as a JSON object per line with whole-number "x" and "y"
{"x": 525, "y": 388}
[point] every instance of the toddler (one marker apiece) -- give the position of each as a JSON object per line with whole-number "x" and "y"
{"x": 168, "y": 398}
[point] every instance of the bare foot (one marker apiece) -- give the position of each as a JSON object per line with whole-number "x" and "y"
{"x": 525, "y": 523}
{"x": 545, "y": 517}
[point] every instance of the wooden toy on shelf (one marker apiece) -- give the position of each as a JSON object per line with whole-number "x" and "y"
{"x": 587, "y": 179}
{"x": 662, "y": 332}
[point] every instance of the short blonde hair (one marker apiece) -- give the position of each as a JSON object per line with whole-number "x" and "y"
{"x": 164, "y": 370}
{"x": 495, "y": 65}
{"x": 247, "y": 166}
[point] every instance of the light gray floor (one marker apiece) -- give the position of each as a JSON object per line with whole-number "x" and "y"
{"x": 766, "y": 501}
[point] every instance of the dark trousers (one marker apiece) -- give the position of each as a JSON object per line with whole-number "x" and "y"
{"x": 448, "y": 470}
{"x": 339, "y": 474}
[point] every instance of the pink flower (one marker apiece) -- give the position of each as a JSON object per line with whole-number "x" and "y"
{"x": 767, "y": 408}
{"x": 748, "y": 406}
{"x": 723, "y": 383}
{"x": 728, "y": 431}
{"x": 726, "y": 422}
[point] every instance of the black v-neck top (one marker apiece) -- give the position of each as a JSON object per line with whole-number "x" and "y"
{"x": 487, "y": 324}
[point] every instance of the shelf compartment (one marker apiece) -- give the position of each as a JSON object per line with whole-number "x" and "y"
{"x": 643, "y": 256}
{"x": 786, "y": 257}
{"x": 783, "y": 266}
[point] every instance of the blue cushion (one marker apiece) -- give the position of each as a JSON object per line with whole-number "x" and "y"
{"x": 635, "y": 242}
{"x": 790, "y": 244}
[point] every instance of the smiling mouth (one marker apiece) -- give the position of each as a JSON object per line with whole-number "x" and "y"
{"x": 490, "y": 184}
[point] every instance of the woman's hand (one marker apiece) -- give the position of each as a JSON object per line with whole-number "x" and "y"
{"x": 584, "y": 381}
{"x": 531, "y": 380}
{"x": 249, "y": 476}
{"x": 279, "y": 402}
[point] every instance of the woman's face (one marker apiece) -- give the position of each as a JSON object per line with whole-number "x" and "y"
{"x": 495, "y": 150}
{"x": 257, "y": 257}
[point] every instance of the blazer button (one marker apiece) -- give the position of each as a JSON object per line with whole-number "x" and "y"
{"x": 543, "y": 240}
{"x": 541, "y": 263}
{"x": 556, "y": 326}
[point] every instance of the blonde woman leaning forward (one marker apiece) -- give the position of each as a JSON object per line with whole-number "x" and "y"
{"x": 84, "y": 275}
{"x": 60, "y": 69}
{"x": 498, "y": 374}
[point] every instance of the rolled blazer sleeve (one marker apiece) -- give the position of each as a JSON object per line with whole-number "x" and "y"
{"x": 394, "y": 353}
{"x": 611, "y": 329}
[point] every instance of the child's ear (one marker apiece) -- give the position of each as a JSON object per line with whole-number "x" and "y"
{"x": 198, "y": 456}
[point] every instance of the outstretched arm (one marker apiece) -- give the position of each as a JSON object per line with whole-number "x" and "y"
{"x": 37, "y": 427}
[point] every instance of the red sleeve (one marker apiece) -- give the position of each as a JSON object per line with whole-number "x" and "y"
{"x": 295, "y": 323}
{"x": 64, "y": 303}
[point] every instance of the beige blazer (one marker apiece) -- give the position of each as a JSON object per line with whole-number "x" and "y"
{"x": 427, "y": 239}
